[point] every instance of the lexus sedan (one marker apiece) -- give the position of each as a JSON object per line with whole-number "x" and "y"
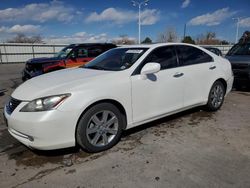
{"x": 125, "y": 87}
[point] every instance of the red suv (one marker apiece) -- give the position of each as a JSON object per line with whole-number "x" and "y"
{"x": 70, "y": 56}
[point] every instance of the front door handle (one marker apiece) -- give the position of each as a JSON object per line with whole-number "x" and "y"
{"x": 178, "y": 74}
{"x": 212, "y": 67}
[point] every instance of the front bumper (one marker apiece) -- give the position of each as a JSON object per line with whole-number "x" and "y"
{"x": 42, "y": 130}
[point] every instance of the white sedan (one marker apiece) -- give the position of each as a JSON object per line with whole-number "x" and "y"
{"x": 125, "y": 87}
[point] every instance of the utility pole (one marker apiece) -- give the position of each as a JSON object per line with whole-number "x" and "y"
{"x": 139, "y": 4}
{"x": 237, "y": 28}
{"x": 185, "y": 27}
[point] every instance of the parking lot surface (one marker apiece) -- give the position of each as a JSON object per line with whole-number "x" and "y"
{"x": 191, "y": 149}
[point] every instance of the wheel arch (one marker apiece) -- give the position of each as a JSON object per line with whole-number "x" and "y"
{"x": 223, "y": 81}
{"x": 111, "y": 101}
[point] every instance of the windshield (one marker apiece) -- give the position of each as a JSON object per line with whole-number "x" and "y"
{"x": 240, "y": 49}
{"x": 116, "y": 59}
{"x": 64, "y": 52}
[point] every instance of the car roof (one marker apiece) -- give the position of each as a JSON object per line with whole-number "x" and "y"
{"x": 92, "y": 44}
{"x": 155, "y": 45}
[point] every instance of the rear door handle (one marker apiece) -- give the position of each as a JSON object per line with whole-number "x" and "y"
{"x": 212, "y": 67}
{"x": 178, "y": 74}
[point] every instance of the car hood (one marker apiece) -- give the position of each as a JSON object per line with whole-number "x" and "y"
{"x": 43, "y": 60}
{"x": 59, "y": 82}
{"x": 239, "y": 59}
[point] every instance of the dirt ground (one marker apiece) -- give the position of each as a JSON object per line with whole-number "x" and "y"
{"x": 190, "y": 149}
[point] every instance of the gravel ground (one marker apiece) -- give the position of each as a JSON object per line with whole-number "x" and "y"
{"x": 190, "y": 149}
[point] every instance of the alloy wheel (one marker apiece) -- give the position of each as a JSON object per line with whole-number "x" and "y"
{"x": 102, "y": 128}
{"x": 217, "y": 96}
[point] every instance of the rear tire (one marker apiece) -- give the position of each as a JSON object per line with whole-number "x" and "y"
{"x": 216, "y": 96}
{"x": 99, "y": 128}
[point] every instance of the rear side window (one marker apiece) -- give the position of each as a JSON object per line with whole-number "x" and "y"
{"x": 95, "y": 51}
{"x": 81, "y": 52}
{"x": 189, "y": 55}
{"x": 166, "y": 56}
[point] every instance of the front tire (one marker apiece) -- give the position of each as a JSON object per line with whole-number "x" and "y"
{"x": 99, "y": 128}
{"x": 216, "y": 96}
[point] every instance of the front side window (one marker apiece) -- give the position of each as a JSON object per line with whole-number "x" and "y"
{"x": 189, "y": 55}
{"x": 116, "y": 59}
{"x": 64, "y": 52}
{"x": 165, "y": 56}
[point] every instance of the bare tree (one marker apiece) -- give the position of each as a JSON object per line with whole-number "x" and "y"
{"x": 169, "y": 35}
{"x": 124, "y": 39}
{"x": 209, "y": 38}
{"x": 21, "y": 38}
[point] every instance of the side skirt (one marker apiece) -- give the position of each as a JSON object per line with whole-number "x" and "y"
{"x": 134, "y": 124}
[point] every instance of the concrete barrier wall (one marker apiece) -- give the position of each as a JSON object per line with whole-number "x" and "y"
{"x": 21, "y": 52}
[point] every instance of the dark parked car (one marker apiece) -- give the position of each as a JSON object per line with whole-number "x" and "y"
{"x": 71, "y": 56}
{"x": 239, "y": 56}
{"x": 214, "y": 50}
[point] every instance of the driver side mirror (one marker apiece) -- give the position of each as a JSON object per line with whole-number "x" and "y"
{"x": 150, "y": 68}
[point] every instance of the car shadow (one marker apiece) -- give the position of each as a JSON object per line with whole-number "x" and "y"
{"x": 57, "y": 152}
{"x": 165, "y": 120}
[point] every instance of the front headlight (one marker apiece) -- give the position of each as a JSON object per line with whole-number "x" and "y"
{"x": 45, "y": 103}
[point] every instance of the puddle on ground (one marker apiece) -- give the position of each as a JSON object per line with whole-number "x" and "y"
{"x": 38, "y": 176}
{"x": 197, "y": 117}
{"x": 29, "y": 158}
{"x": 130, "y": 142}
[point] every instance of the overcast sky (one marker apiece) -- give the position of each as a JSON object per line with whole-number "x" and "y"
{"x": 102, "y": 20}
